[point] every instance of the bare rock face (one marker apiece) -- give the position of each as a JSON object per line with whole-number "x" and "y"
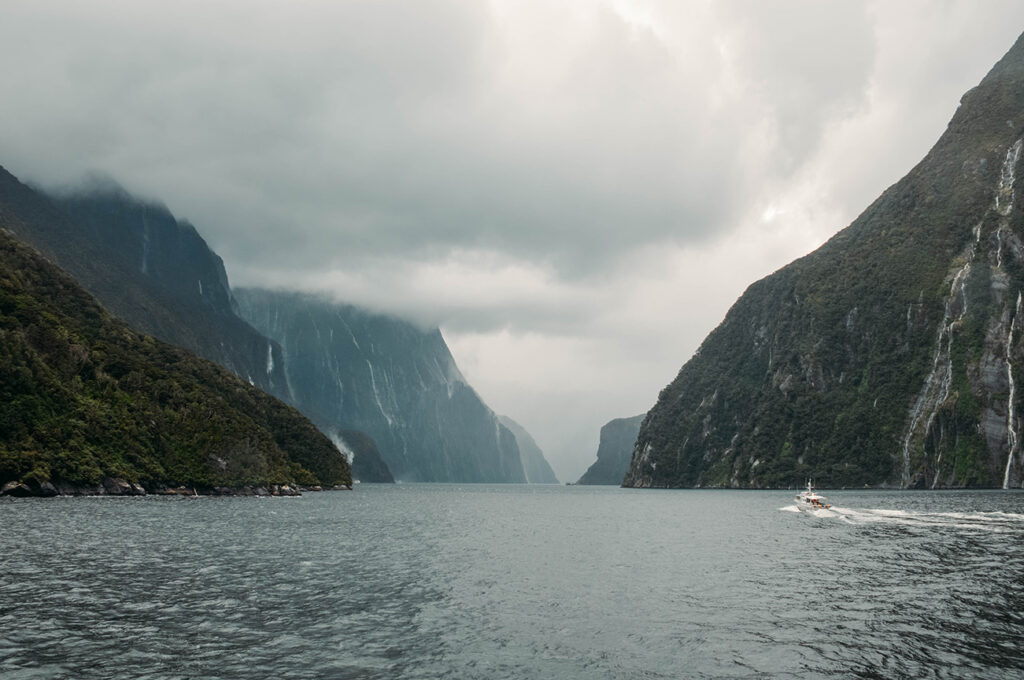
{"x": 353, "y": 369}
{"x": 891, "y": 356}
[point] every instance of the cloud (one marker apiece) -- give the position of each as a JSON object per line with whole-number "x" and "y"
{"x": 575, "y": 190}
{"x": 316, "y": 135}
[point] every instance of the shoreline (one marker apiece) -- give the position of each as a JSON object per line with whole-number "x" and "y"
{"x": 115, "y": 486}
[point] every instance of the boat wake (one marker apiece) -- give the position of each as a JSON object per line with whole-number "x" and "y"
{"x": 981, "y": 521}
{"x": 816, "y": 512}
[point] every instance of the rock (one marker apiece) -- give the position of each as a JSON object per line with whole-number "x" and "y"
{"x": 46, "y": 489}
{"x": 16, "y": 489}
{"x": 115, "y": 486}
{"x": 72, "y": 490}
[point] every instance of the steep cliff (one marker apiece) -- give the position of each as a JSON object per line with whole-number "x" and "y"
{"x": 348, "y": 368}
{"x": 535, "y": 465}
{"x": 614, "y": 452}
{"x": 891, "y": 355}
{"x": 152, "y": 271}
{"x": 83, "y": 399}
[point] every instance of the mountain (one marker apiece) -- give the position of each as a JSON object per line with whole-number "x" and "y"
{"x": 157, "y": 274}
{"x": 614, "y": 451}
{"x": 349, "y": 368}
{"x": 890, "y": 356}
{"x": 535, "y": 465}
{"x": 85, "y": 401}
{"x": 152, "y": 271}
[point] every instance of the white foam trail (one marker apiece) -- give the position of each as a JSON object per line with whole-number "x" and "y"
{"x": 997, "y": 522}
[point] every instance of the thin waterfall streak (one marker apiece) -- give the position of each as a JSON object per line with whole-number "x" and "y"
{"x": 1011, "y": 410}
{"x": 376, "y": 395}
{"x": 1007, "y": 177}
{"x": 934, "y": 392}
{"x": 930, "y": 389}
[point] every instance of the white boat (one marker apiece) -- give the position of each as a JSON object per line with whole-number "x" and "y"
{"x": 809, "y": 501}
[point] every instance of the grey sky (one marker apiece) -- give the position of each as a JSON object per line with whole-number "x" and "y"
{"x": 575, "y": 190}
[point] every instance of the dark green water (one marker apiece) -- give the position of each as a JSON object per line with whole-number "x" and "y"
{"x": 439, "y": 581}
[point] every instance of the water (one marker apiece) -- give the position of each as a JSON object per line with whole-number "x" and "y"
{"x": 439, "y": 581}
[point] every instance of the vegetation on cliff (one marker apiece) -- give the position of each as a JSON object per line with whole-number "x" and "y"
{"x": 83, "y": 397}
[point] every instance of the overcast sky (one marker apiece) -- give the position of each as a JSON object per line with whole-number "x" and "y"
{"x": 574, "y": 190}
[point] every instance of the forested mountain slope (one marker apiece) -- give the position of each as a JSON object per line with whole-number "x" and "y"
{"x": 84, "y": 398}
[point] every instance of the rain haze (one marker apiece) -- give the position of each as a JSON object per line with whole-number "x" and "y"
{"x": 574, "y": 191}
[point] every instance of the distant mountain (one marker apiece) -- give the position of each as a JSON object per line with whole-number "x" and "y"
{"x": 535, "y": 465}
{"x": 890, "y": 356}
{"x": 85, "y": 400}
{"x": 614, "y": 452}
{"x": 349, "y": 368}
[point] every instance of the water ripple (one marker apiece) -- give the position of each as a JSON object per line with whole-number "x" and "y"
{"x": 436, "y": 581}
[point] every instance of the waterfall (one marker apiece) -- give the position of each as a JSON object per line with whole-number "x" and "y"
{"x": 376, "y": 395}
{"x": 1011, "y": 410}
{"x": 1004, "y": 205}
{"x": 936, "y": 389}
{"x": 1004, "y": 192}
{"x": 938, "y": 382}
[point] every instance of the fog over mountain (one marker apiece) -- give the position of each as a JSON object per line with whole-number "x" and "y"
{"x": 575, "y": 191}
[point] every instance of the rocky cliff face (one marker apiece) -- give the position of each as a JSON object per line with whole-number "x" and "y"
{"x": 891, "y": 355}
{"x": 151, "y": 270}
{"x": 535, "y": 465}
{"x": 351, "y": 369}
{"x": 614, "y": 452}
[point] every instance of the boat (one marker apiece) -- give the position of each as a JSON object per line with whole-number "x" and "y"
{"x": 809, "y": 500}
